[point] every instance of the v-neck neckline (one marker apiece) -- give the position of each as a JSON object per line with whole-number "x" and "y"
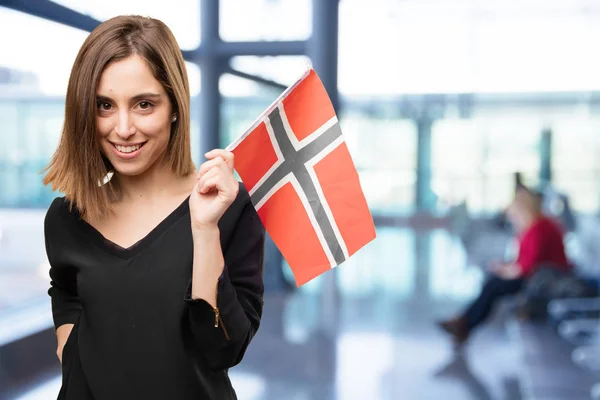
{"x": 127, "y": 252}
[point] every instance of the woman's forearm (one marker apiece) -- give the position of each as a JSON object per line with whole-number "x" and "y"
{"x": 62, "y": 334}
{"x": 208, "y": 264}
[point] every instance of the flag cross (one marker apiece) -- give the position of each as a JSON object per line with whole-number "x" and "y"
{"x": 295, "y": 165}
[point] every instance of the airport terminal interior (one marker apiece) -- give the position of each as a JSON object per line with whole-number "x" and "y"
{"x": 448, "y": 108}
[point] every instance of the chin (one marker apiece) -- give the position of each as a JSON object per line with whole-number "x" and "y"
{"x": 129, "y": 170}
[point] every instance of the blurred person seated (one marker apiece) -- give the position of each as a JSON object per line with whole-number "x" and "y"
{"x": 540, "y": 244}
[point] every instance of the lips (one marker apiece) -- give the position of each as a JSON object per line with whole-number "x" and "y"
{"x": 128, "y": 151}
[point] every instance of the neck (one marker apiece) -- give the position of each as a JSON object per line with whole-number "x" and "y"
{"x": 155, "y": 183}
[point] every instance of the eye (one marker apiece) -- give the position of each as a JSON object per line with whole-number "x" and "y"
{"x": 145, "y": 105}
{"x": 104, "y": 106}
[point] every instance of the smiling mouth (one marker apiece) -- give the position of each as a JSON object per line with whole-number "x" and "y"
{"x": 129, "y": 148}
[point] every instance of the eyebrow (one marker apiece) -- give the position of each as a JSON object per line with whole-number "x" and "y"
{"x": 134, "y": 98}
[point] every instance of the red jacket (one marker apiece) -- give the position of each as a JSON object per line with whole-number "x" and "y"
{"x": 542, "y": 243}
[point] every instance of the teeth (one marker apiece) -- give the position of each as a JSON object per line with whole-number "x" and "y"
{"x": 128, "y": 149}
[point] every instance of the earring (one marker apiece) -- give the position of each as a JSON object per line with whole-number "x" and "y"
{"x": 174, "y": 118}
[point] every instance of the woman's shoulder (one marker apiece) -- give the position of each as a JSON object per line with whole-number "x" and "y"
{"x": 58, "y": 205}
{"x": 59, "y": 209}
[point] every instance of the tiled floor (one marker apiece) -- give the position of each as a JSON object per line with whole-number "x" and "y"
{"x": 374, "y": 337}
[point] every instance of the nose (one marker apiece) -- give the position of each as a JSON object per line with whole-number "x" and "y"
{"x": 124, "y": 128}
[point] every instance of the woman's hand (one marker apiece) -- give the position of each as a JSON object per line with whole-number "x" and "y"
{"x": 508, "y": 271}
{"x": 216, "y": 188}
{"x": 496, "y": 265}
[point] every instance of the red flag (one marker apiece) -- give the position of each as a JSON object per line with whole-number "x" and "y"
{"x": 302, "y": 181}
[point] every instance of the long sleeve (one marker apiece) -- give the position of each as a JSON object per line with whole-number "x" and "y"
{"x": 66, "y": 307}
{"x": 222, "y": 338}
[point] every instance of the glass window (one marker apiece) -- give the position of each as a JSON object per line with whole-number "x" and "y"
{"x": 28, "y": 141}
{"x": 392, "y": 275}
{"x": 233, "y": 86}
{"x": 457, "y": 157}
{"x": 511, "y": 145}
{"x": 32, "y": 102}
{"x": 561, "y": 34}
{"x": 270, "y": 20}
{"x": 476, "y": 159}
{"x": 283, "y": 69}
{"x": 449, "y": 275}
{"x": 34, "y": 70}
{"x": 575, "y": 161}
{"x": 183, "y": 19}
{"x": 27, "y": 59}
{"x": 483, "y": 46}
{"x": 384, "y": 151}
{"x": 423, "y": 37}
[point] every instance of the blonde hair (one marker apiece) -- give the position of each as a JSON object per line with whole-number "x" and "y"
{"x": 78, "y": 164}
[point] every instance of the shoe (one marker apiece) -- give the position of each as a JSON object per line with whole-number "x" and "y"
{"x": 456, "y": 327}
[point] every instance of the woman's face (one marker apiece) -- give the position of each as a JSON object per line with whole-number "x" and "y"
{"x": 134, "y": 116}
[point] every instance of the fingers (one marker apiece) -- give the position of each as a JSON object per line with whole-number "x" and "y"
{"x": 207, "y": 182}
{"x": 218, "y": 179}
{"x": 217, "y": 174}
{"x": 217, "y": 162}
{"x": 227, "y": 156}
{"x": 212, "y": 183}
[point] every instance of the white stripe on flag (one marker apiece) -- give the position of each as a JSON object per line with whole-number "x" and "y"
{"x": 290, "y": 178}
{"x": 313, "y": 175}
{"x": 279, "y": 161}
{"x": 313, "y": 220}
{"x": 298, "y": 144}
{"x": 271, "y": 192}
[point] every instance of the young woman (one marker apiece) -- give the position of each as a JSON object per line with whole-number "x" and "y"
{"x": 156, "y": 269}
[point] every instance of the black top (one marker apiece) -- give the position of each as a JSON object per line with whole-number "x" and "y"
{"x": 138, "y": 334}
